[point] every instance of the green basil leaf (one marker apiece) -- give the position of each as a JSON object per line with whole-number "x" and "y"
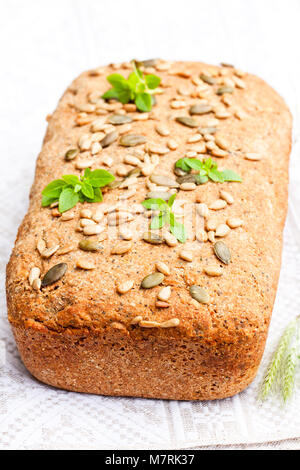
{"x": 230, "y": 175}
{"x": 47, "y": 200}
{"x": 143, "y": 102}
{"x": 194, "y": 163}
{"x": 100, "y": 178}
{"x": 54, "y": 188}
{"x": 158, "y": 221}
{"x": 181, "y": 163}
{"x": 87, "y": 190}
{"x": 201, "y": 179}
{"x": 216, "y": 176}
{"x": 97, "y": 196}
{"x": 71, "y": 179}
{"x": 177, "y": 229}
{"x": 67, "y": 200}
{"x": 111, "y": 94}
{"x": 152, "y": 81}
{"x": 155, "y": 204}
{"x": 171, "y": 200}
{"x": 117, "y": 81}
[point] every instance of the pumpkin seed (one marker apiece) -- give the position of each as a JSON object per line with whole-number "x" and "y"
{"x": 186, "y": 179}
{"x": 118, "y": 119}
{"x": 200, "y": 109}
{"x": 131, "y": 140}
{"x": 224, "y": 89}
{"x": 71, "y": 154}
{"x": 152, "y": 280}
{"x": 199, "y": 294}
{"x": 54, "y": 274}
{"x": 208, "y": 79}
{"x": 115, "y": 184}
{"x": 222, "y": 252}
{"x": 187, "y": 121}
{"x": 162, "y": 180}
{"x": 90, "y": 245}
{"x": 179, "y": 172}
{"x": 207, "y": 130}
{"x": 109, "y": 139}
{"x": 153, "y": 238}
{"x": 158, "y": 195}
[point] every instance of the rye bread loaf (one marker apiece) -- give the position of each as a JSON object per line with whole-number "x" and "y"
{"x": 96, "y": 330}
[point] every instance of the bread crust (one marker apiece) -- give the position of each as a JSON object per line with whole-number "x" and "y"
{"x": 77, "y": 334}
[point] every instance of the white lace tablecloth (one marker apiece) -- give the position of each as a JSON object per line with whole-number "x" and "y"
{"x": 44, "y": 45}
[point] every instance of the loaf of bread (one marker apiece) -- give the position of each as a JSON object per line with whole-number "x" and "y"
{"x": 195, "y": 329}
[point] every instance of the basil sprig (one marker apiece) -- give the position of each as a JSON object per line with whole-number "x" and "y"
{"x": 165, "y": 216}
{"x": 138, "y": 88}
{"x": 70, "y": 189}
{"x": 208, "y": 169}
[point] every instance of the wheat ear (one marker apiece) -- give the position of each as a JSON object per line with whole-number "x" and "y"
{"x": 291, "y": 361}
{"x": 276, "y": 362}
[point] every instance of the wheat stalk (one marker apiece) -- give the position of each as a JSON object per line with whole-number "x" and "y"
{"x": 290, "y": 364}
{"x": 275, "y": 365}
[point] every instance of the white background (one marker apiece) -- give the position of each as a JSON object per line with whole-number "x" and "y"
{"x": 44, "y": 45}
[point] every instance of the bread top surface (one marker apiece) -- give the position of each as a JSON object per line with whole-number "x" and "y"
{"x": 241, "y": 299}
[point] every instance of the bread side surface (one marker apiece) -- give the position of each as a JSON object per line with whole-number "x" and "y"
{"x": 80, "y": 333}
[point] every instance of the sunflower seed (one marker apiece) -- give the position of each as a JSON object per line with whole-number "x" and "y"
{"x": 121, "y": 247}
{"x": 69, "y": 215}
{"x": 186, "y": 255}
{"x": 152, "y": 280}
{"x": 136, "y": 320}
{"x": 90, "y": 245}
{"x": 164, "y": 294}
{"x": 86, "y": 214}
{"x": 49, "y": 251}
{"x": 118, "y": 119}
{"x": 211, "y": 224}
{"x": 207, "y": 130}
{"x": 252, "y": 156}
{"x": 162, "y": 180}
{"x": 188, "y": 186}
{"x": 170, "y": 239}
{"x": 218, "y": 204}
{"x": 199, "y": 294}
{"x": 36, "y": 284}
{"x": 54, "y": 274}
{"x": 153, "y": 238}
{"x": 200, "y": 109}
{"x": 71, "y": 154}
{"x": 170, "y": 323}
{"x": 125, "y": 287}
{"x": 157, "y": 149}
{"x": 234, "y": 222}
{"x": 93, "y": 229}
{"x": 162, "y": 130}
{"x": 85, "y": 142}
{"x": 226, "y": 196}
{"x": 118, "y": 218}
{"x": 213, "y": 270}
{"x": 187, "y": 121}
{"x": 131, "y": 140}
{"x": 125, "y": 233}
{"x": 202, "y": 210}
{"x": 85, "y": 264}
{"x": 161, "y": 304}
{"x": 211, "y": 236}
{"x": 222, "y": 252}
{"x": 109, "y": 139}
{"x": 222, "y": 230}
{"x": 194, "y": 138}
{"x": 66, "y": 249}
{"x": 158, "y": 195}
{"x": 148, "y": 62}
{"x": 172, "y": 144}
{"x": 149, "y": 324}
{"x": 34, "y": 274}
{"x": 162, "y": 268}
{"x": 224, "y": 89}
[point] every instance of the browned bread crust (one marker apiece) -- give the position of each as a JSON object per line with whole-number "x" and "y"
{"x": 79, "y": 333}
